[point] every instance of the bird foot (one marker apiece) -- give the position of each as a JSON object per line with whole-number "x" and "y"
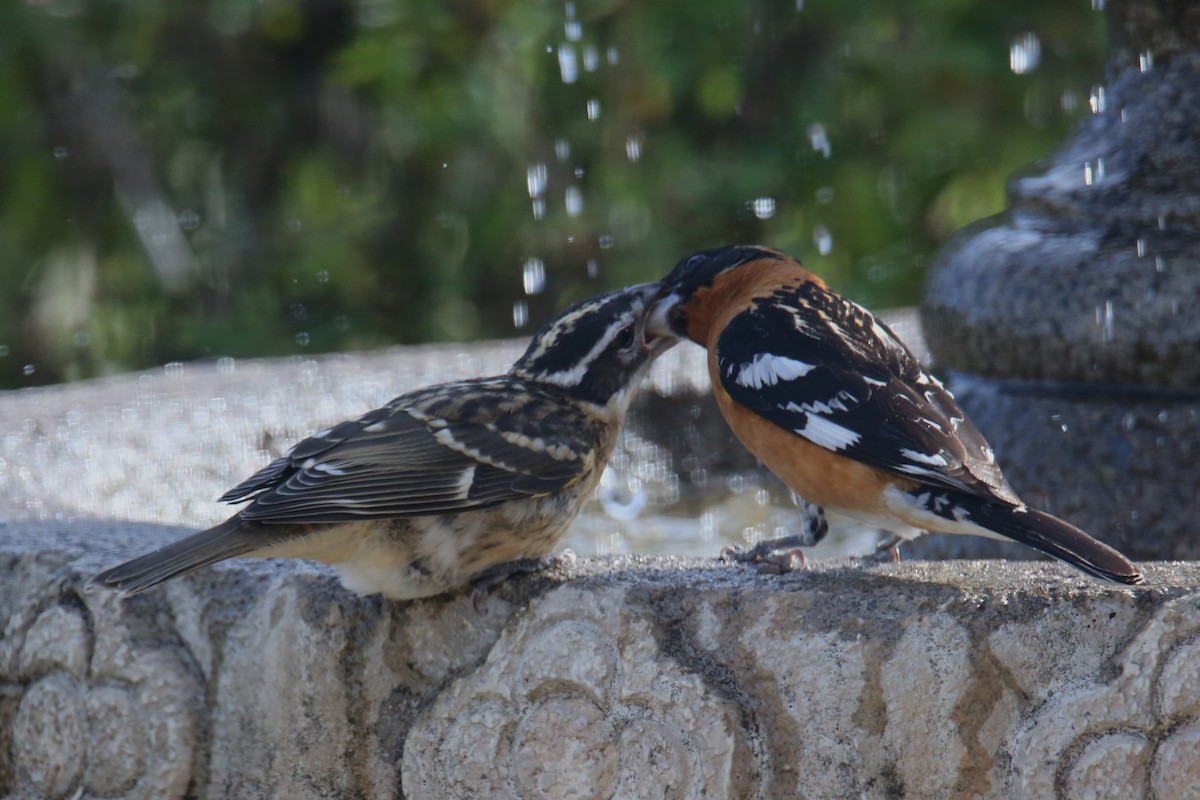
{"x": 495, "y": 575}
{"x": 774, "y": 557}
{"x": 886, "y": 552}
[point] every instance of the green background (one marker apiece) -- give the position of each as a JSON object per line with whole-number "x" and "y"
{"x": 207, "y": 178}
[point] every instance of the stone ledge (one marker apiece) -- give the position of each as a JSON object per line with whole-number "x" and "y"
{"x": 620, "y": 678}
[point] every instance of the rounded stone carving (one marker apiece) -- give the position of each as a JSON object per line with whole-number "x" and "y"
{"x": 95, "y": 713}
{"x": 1138, "y": 736}
{"x": 565, "y": 747}
{"x": 575, "y": 703}
{"x": 49, "y": 733}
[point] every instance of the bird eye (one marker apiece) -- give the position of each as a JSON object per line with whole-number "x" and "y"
{"x": 625, "y": 338}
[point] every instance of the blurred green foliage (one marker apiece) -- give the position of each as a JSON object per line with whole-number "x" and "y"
{"x": 264, "y": 177}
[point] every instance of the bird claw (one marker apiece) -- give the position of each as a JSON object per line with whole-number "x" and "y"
{"x": 490, "y": 578}
{"x": 767, "y": 557}
{"x": 886, "y": 552}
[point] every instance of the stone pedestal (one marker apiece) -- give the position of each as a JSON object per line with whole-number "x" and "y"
{"x": 624, "y": 677}
{"x": 1069, "y": 323}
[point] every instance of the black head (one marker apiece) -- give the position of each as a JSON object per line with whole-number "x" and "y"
{"x": 596, "y": 349}
{"x": 697, "y": 271}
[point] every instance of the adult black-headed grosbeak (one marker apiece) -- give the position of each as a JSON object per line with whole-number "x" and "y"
{"x": 833, "y": 403}
{"x": 444, "y": 484}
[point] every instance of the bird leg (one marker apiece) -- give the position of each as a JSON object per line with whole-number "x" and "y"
{"x": 777, "y": 556}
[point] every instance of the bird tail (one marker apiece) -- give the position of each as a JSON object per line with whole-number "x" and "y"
{"x": 1053, "y": 537}
{"x": 234, "y": 537}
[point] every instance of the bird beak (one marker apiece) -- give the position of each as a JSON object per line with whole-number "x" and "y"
{"x": 657, "y": 323}
{"x": 656, "y": 339}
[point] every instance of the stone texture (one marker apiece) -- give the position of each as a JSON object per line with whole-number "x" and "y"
{"x": 623, "y": 677}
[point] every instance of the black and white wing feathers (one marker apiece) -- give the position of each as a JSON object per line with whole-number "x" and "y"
{"x": 827, "y": 369}
{"x": 452, "y": 448}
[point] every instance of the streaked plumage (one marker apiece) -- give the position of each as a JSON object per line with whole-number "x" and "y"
{"x": 834, "y": 403}
{"x": 443, "y": 483}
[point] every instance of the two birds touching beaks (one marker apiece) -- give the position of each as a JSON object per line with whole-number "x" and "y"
{"x": 472, "y": 480}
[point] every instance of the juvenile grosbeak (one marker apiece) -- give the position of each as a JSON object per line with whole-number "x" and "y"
{"x": 444, "y": 484}
{"x": 831, "y": 401}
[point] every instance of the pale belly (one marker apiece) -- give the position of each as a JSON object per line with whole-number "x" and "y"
{"x": 415, "y": 557}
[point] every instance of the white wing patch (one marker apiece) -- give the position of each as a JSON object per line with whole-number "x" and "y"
{"x": 829, "y": 435}
{"x": 936, "y": 460}
{"x": 768, "y": 369}
{"x": 463, "y": 490}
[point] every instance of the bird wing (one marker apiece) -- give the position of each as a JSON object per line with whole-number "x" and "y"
{"x": 828, "y": 370}
{"x": 452, "y": 448}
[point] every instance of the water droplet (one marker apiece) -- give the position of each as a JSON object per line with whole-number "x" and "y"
{"x": 613, "y": 56}
{"x": 562, "y": 149}
{"x": 81, "y": 339}
{"x": 607, "y": 241}
{"x": 1146, "y": 61}
{"x": 342, "y": 323}
{"x": 763, "y": 207}
{"x": 1069, "y": 101}
{"x": 226, "y": 365}
{"x": 173, "y": 369}
{"x": 823, "y": 239}
{"x": 574, "y": 201}
{"x": 593, "y": 109}
{"x": 533, "y": 276}
{"x": 1025, "y": 53}
{"x": 302, "y": 339}
{"x": 825, "y": 195}
{"x": 567, "y": 65}
{"x": 591, "y": 58}
{"x": 799, "y": 5}
{"x": 28, "y": 370}
{"x": 1160, "y": 264}
{"x": 536, "y": 177}
{"x": 539, "y": 208}
{"x": 578, "y": 172}
{"x": 1097, "y": 5}
{"x": 573, "y": 30}
{"x": 1093, "y": 173}
{"x": 593, "y": 268}
{"x": 1104, "y": 318}
{"x": 633, "y": 147}
{"x": 736, "y": 483}
{"x": 189, "y": 220}
{"x": 323, "y": 276}
{"x": 520, "y": 314}
{"x": 4, "y": 351}
{"x": 1097, "y": 101}
{"x": 1141, "y": 248}
{"x": 61, "y": 153}
{"x": 819, "y": 139}
{"x": 299, "y": 311}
